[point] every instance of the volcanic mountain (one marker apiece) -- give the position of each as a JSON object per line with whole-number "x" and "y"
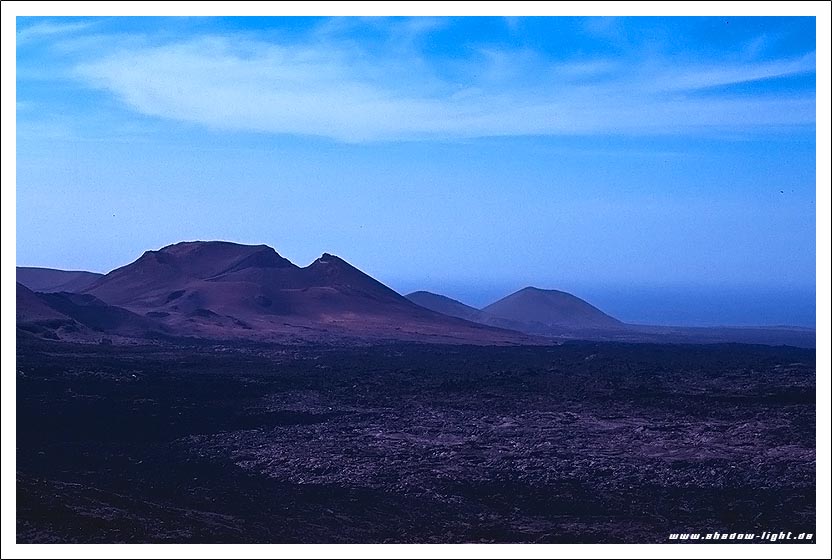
{"x": 53, "y": 280}
{"x": 222, "y": 291}
{"x": 217, "y": 289}
{"x": 530, "y": 310}
{"x": 549, "y": 311}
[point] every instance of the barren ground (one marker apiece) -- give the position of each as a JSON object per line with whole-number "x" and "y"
{"x": 584, "y": 442}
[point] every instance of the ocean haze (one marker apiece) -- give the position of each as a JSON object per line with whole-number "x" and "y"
{"x": 710, "y": 306}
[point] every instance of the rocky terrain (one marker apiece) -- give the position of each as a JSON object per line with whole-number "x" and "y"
{"x": 582, "y": 442}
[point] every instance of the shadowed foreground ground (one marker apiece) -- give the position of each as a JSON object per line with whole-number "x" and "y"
{"x": 585, "y": 442}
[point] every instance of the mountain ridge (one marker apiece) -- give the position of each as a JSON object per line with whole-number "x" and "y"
{"x": 224, "y": 290}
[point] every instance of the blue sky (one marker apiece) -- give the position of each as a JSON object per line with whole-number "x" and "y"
{"x": 663, "y": 168}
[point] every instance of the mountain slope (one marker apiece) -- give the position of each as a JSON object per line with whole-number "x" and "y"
{"x": 99, "y": 316}
{"x": 54, "y": 280}
{"x": 30, "y": 308}
{"x": 79, "y": 317}
{"x": 446, "y": 306}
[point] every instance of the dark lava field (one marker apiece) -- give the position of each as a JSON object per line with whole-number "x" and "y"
{"x": 577, "y": 443}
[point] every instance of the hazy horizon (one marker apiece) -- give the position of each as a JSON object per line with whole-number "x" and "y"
{"x": 663, "y": 169}
{"x": 668, "y": 305}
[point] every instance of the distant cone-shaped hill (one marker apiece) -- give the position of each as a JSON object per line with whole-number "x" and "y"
{"x": 529, "y": 310}
{"x": 550, "y": 309}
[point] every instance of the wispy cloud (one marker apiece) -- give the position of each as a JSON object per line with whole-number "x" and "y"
{"x": 705, "y": 77}
{"x": 341, "y": 91}
{"x": 48, "y": 29}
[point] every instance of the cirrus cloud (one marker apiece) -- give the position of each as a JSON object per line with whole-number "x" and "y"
{"x": 327, "y": 89}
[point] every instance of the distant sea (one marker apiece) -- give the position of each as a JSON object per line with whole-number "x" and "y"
{"x": 700, "y": 307}
{"x": 677, "y": 305}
